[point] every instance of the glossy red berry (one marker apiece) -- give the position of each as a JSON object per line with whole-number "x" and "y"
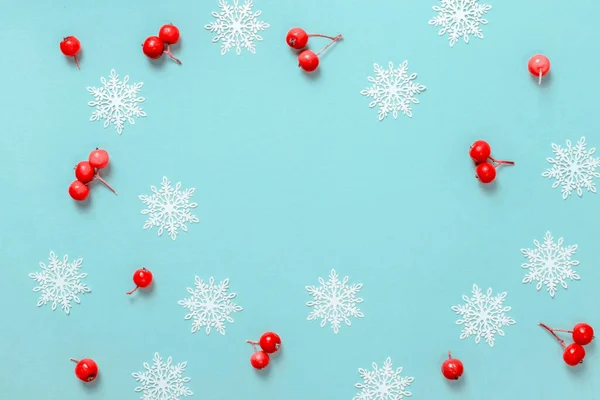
{"x": 486, "y": 172}
{"x": 142, "y": 279}
{"x": 79, "y": 191}
{"x": 259, "y": 359}
{"x": 583, "y": 334}
{"x": 169, "y": 34}
{"x": 98, "y": 158}
{"x": 86, "y": 369}
{"x": 452, "y": 368}
{"x": 574, "y": 354}
{"x": 539, "y": 65}
{"x": 153, "y": 47}
{"x": 308, "y": 60}
{"x": 297, "y": 38}
{"x": 84, "y": 172}
{"x": 70, "y": 46}
{"x": 480, "y": 151}
{"x": 269, "y": 342}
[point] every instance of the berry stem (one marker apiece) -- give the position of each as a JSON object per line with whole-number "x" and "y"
{"x": 323, "y": 36}
{"x": 74, "y": 360}
{"x": 133, "y": 291}
{"x": 254, "y": 344}
{"x": 76, "y": 61}
{"x": 168, "y": 52}
{"x": 562, "y": 342}
{"x": 562, "y": 330}
{"x": 98, "y": 177}
{"x": 540, "y": 78}
{"x": 333, "y": 40}
{"x": 501, "y": 162}
{"x": 449, "y": 355}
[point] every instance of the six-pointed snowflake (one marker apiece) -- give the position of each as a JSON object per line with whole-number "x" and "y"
{"x": 573, "y": 168}
{"x": 483, "y": 315}
{"x": 460, "y": 18}
{"x": 116, "y": 102}
{"x": 210, "y": 305}
{"x": 550, "y": 264}
{"x": 162, "y": 381}
{"x": 383, "y": 384}
{"x": 237, "y": 26}
{"x": 60, "y": 282}
{"x": 169, "y": 208}
{"x": 393, "y": 90}
{"x": 334, "y": 301}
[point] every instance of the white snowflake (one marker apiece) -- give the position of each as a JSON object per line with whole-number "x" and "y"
{"x": 334, "y": 301}
{"x": 162, "y": 381}
{"x": 116, "y": 102}
{"x": 237, "y": 26}
{"x": 383, "y": 384}
{"x": 550, "y": 264}
{"x": 169, "y": 208}
{"x": 460, "y": 18}
{"x": 210, "y": 305}
{"x": 60, "y": 282}
{"x": 393, "y": 90}
{"x": 573, "y": 168}
{"x": 483, "y": 315}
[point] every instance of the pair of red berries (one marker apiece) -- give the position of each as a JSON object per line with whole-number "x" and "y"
{"x": 308, "y": 60}
{"x": 582, "y": 334}
{"x": 452, "y": 368}
{"x": 154, "y": 46}
{"x": 86, "y": 369}
{"x": 269, "y": 343}
{"x": 70, "y": 47}
{"x": 480, "y": 153}
{"x": 142, "y": 278}
{"x": 87, "y": 171}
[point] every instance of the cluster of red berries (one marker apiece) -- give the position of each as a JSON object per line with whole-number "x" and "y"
{"x": 87, "y": 171}
{"x": 142, "y": 279}
{"x": 480, "y": 153}
{"x": 269, "y": 343}
{"x": 70, "y": 47}
{"x": 452, "y": 368}
{"x": 574, "y": 353}
{"x": 155, "y": 46}
{"x": 308, "y": 60}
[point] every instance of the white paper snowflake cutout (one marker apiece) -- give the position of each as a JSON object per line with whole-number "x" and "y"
{"x": 237, "y": 26}
{"x": 210, "y": 305}
{"x": 550, "y": 264}
{"x": 60, "y": 282}
{"x": 483, "y": 316}
{"x": 573, "y": 168}
{"x": 334, "y": 301}
{"x": 460, "y": 18}
{"x": 393, "y": 90}
{"x": 383, "y": 384}
{"x": 169, "y": 208}
{"x": 116, "y": 102}
{"x": 162, "y": 381}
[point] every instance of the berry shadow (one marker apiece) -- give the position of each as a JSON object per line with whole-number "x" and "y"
{"x": 546, "y": 81}
{"x": 93, "y": 385}
{"x": 457, "y": 385}
{"x": 579, "y": 371}
{"x": 311, "y": 76}
{"x": 489, "y": 189}
{"x": 85, "y": 205}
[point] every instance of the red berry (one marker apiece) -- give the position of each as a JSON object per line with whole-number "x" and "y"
{"x": 574, "y": 354}
{"x": 583, "y": 334}
{"x": 538, "y": 63}
{"x": 86, "y": 369}
{"x": 452, "y": 368}
{"x": 84, "y": 172}
{"x": 259, "y": 360}
{"x": 142, "y": 278}
{"x": 308, "y": 60}
{"x": 297, "y": 38}
{"x": 486, "y": 172}
{"x": 70, "y": 46}
{"x": 79, "y": 191}
{"x": 270, "y": 342}
{"x": 153, "y": 47}
{"x": 169, "y": 34}
{"x": 98, "y": 158}
{"x": 480, "y": 151}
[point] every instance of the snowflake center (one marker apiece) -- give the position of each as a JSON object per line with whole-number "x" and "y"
{"x": 383, "y": 388}
{"x": 162, "y": 384}
{"x": 115, "y": 101}
{"x": 484, "y": 316}
{"x": 393, "y": 89}
{"x": 459, "y": 16}
{"x": 60, "y": 282}
{"x": 574, "y": 168}
{"x": 236, "y": 25}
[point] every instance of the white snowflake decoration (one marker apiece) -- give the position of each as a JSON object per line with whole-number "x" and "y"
{"x": 550, "y": 264}
{"x": 383, "y": 384}
{"x": 334, "y": 301}
{"x": 483, "y": 315}
{"x": 573, "y": 168}
{"x": 60, "y": 282}
{"x": 210, "y": 305}
{"x": 169, "y": 208}
{"x": 460, "y": 18}
{"x": 162, "y": 381}
{"x": 116, "y": 102}
{"x": 393, "y": 90}
{"x": 237, "y": 26}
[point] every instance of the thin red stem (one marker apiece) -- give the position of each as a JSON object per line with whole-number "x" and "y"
{"x": 319, "y": 35}
{"x": 335, "y": 39}
{"x": 501, "y": 162}
{"x": 562, "y": 330}
{"x": 130, "y": 292}
{"x": 449, "y": 355}
{"x": 254, "y": 344}
{"x": 74, "y": 360}
{"x": 76, "y": 61}
{"x": 168, "y": 52}
{"x": 562, "y": 342}
{"x": 99, "y": 178}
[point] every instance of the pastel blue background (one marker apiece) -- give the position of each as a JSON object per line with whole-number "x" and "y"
{"x": 294, "y": 176}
